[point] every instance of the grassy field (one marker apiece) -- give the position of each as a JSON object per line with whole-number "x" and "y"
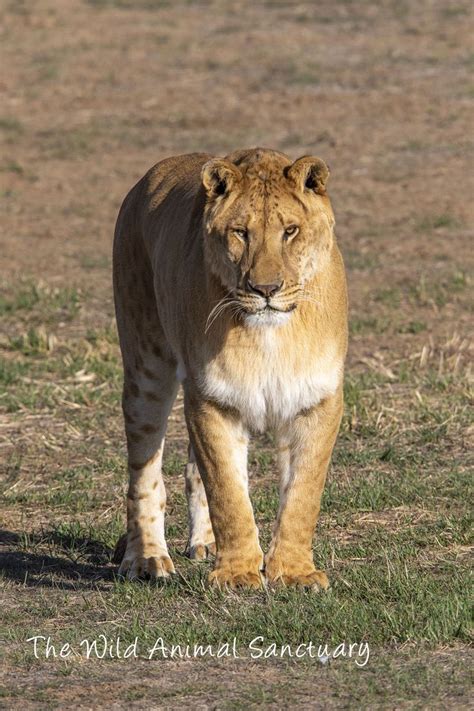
{"x": 96, "y": 91}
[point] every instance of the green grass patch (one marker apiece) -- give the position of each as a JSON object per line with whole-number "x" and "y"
{"x": 48, "y": 304}
{"x": 394, "y": 532}
{"x": 11, "y": 126}
{"x": 436, "y": 222}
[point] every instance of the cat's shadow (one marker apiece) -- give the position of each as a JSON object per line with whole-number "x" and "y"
{"x": 73, "y": 563}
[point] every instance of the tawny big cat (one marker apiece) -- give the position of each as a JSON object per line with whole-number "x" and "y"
{"x": 228, "y": 279}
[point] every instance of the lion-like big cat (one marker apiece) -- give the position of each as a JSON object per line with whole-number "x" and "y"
{"x": 228, "y": 279}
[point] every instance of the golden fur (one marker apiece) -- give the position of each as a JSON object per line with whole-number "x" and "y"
{"x": 228, "y": 278}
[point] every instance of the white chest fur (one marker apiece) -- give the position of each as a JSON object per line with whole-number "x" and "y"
{"x": 270, "y": 384}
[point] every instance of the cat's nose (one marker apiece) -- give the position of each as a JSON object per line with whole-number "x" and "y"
{"x": 265, "y": 290}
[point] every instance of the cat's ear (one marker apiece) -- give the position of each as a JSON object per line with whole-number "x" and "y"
{"x": 309, "y": 173}
{"x": 219, "y": 177}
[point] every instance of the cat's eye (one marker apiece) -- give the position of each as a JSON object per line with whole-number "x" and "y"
{"x": 291, "y": 231}
{"x": 241, "y": 233}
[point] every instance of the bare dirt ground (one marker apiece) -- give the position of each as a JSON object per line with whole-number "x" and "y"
{"x": 93, "y": 92}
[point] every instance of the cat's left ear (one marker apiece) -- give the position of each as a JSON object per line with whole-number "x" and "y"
{"x": 309, "y": 173}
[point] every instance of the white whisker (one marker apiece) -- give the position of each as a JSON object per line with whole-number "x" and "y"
{"x": 308, "y": 299}
{"x": 219, "y": 308}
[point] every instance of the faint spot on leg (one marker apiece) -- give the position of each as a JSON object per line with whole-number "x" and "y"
{"x": 148, "y": 428}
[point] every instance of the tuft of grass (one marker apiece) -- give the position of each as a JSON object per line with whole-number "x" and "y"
{"x": 132, "y": 4}
{"x": 89, "y": 262}
{"x": 453, "y": 10}
{"x": 436, "y": 222}
{"x": 390, "y": 296}
{"x": 174, "y": 464}
{"x": 52, "y": 303}
{"x": 427, "y": 292}
{"x": 372, "y": 324}
{"x": 12, "y": 166}
{"x": 46, "y": 66}
{"x": 67, "y": 144}
{"x": 413, "y": 327}
{"x": 34, "y": 342}
{"x": 24, "y": 297}
{"x": 11, "y": 125}
{"x": 262, "y": 461}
